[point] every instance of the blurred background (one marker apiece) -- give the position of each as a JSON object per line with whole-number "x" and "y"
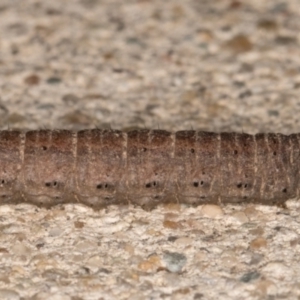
{"x": 210, "y": 65}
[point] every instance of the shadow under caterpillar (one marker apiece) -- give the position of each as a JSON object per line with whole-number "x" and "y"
{"x": 147, "y": 167}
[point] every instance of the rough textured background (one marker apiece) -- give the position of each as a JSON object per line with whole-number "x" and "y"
{"x": 211, "y": 65}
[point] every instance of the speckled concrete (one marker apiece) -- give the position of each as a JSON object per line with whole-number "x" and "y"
{"x": 209, "y": 65}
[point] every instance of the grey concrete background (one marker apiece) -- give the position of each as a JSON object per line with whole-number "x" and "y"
{"x": 207, "y": 65}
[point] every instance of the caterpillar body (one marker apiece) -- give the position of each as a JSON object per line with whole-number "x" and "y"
{"x": 147, "y": 167}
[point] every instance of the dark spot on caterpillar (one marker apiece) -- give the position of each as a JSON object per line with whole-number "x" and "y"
{"x": 106, "y": 185}
{"x": 48, "y": 184}
{"x": 99, "y": 186}
{"x": 2, "y": 181}
{"x": 192, "y": 150}
{"x": 239, "y": 185}
{"x": 44, "y": 148}
{"x": 235, "y": 152}
{"x": 274, "y": 153}
{"x": 284, "y": 190}
{"x": 201, "y": 182}
{"x": 202, "y": 197}
{"x": 144, "y": 149}
{"x": 149, "y": 184}
{"x": 196, "y": 184}
{"x": 246, "y": 185}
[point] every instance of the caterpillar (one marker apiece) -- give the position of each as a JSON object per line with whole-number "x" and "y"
{"x": 147, "y": 167}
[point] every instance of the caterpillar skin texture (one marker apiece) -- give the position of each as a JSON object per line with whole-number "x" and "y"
{"x": 147, "y": 167}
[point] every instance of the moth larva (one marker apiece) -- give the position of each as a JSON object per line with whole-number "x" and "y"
{"x": 147, "y": 167}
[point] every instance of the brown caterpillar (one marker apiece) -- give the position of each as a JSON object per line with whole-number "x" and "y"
{"x": 147, "y": 167}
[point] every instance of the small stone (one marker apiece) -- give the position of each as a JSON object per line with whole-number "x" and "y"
{"x": 184, "y": 241}
{"x": 256, "y": 258}
{"x": 95, "y": 261}
{"x": 201, "y": 256}
{"x": 195, "y": 224}
{"x": 295, "y": 242}
{"x": 54, "y": 274}
{"x": 77, "y": 118}
{"x": 182, "y": 291}
{"x": 132, "y": 274}
{"x": 229, "y": 259}
{"x": 172, "y": 206}
{"x": 151, "y": 264}
{"x": 32, "y": 79}
{"x": 57, "y": 231}
{"x": 4, "y": 279}
{"x": 56, "y": 296}
{"x": 11, "y": 228}
{"x": 153, "y": 232}
{"x": 170, "y": 216}
{"x": 269, "y": 25}
{"x": 172, "y": 238}
{"x": 146, "y": 266}
{"x": 20, "y": 249}
{"x": 240, "y": 216}
{"x": 266, "y": 287}
{"x": 7, "y": 294}
{"x": 129, "y": 248}
{"x": 257, "y": 243}
{"x": 42, "y": 262}
{"x": 83, "y": 271}
{"x": 172, "y": 279}
{"x": 278, "y": 270}
{"x": 205, "y": 35}
{"x": 251, "y": 212}
{"x": 211, "y": 211}
{"x": 285, "y": 40}
{"x": 15, "y": 118}
{"x": 235, "y": 4}
{"x": 239, "y": 44}
{"x": 174, "y": 261}
{"x": 79, "y": 224}
{"x": 171, "y": 224}
{"x": 110, "y": 219}
{"x": 250, "y": 276}
{"x": 54, "y": 80}
{"x": 96, "y": 96}
{"x": 86, "y": 246}
{"x": 70, "y": 99}
{"x": 257, "y": 231}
